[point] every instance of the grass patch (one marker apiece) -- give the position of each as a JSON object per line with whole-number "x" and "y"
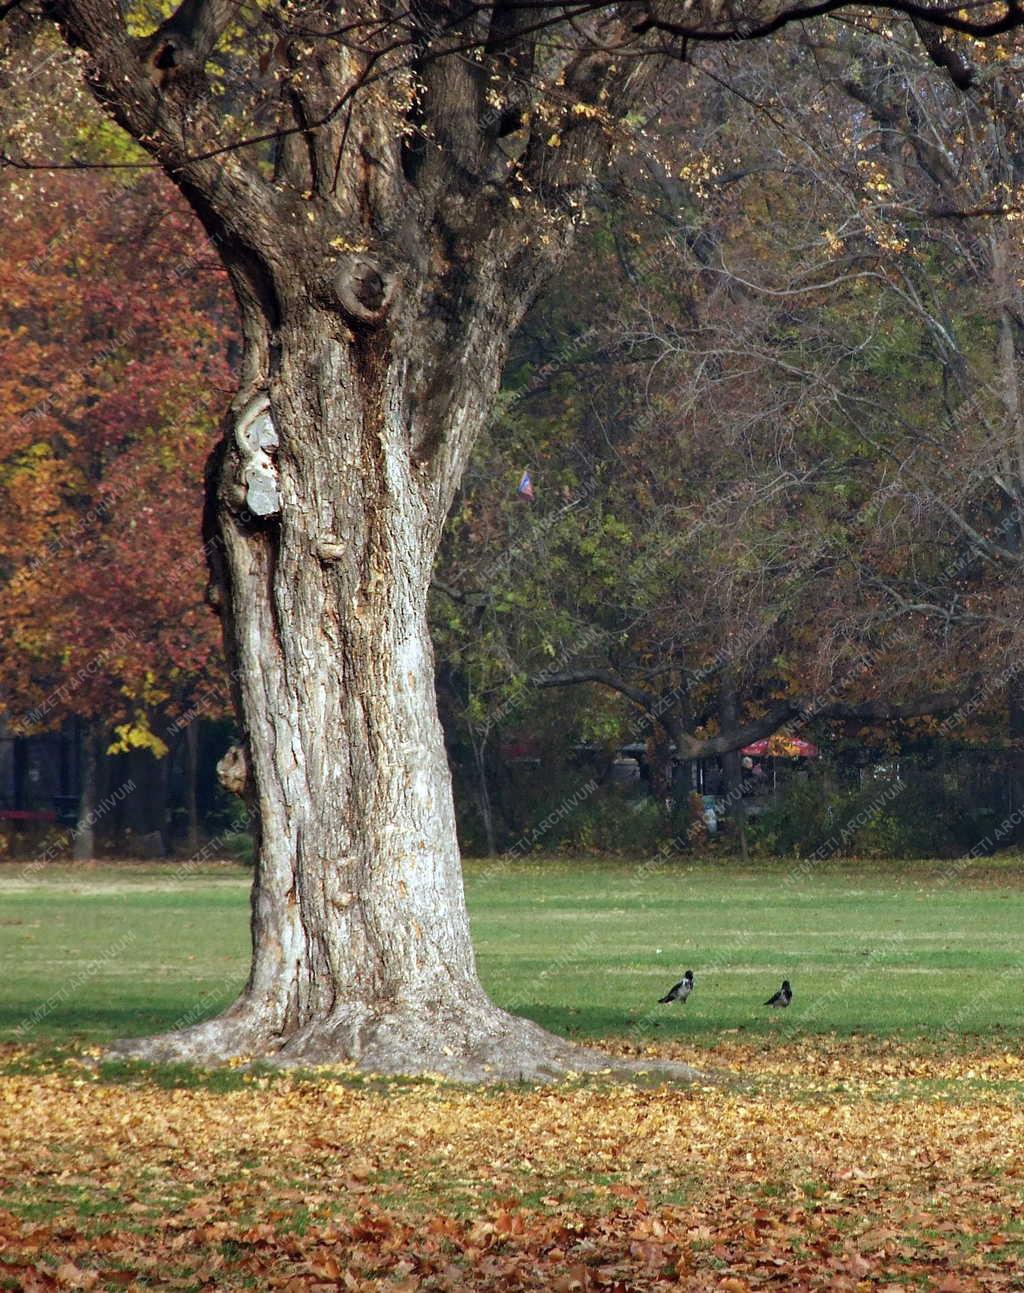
{"x": 887, "y": 1100}
{"x": 585, "y": 948}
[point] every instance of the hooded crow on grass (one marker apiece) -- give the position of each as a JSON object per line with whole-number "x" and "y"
{"x": 782, "y": 998}
{"x": 679, "y": 991}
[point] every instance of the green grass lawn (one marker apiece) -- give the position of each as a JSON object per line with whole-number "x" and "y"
{"x": 823, "y": 1160}
{"x": 584, "y": 947}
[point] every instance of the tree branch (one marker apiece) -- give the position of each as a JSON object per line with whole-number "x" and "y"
{"x": 188, "y": 37}
{"x": 607, "y": 678}
{"x": 796, "y": 710}
{"x": 962, "y": 71}
{"x": 171, "y": 118}
{"x": 1012, "y": 19}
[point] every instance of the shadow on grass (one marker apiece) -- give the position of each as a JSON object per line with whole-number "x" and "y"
{"x": 24, "y": 1022}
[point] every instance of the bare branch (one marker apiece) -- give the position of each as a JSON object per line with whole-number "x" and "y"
{"x": 188, "y": 37}
{"x": 572, "y": 677}
{"x": 741, "y": 31}
{"x": 962, "y": 71}
{"x": 788, "y": 712}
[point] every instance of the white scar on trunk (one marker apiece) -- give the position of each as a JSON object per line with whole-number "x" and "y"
{"x": 256, "y": 437}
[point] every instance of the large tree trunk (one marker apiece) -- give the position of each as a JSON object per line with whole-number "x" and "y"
{"x": 361, "y": 943}
{"x": 379, "y": 271}
{"x": 352, "y": 947}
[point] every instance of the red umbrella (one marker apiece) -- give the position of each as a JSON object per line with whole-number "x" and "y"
{"x": 782, "y": 747}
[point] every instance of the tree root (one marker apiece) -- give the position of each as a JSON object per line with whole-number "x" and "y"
{"x": 476, "y": 1043}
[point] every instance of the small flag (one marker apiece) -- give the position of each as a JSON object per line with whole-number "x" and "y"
{"x": 525, "y": 489}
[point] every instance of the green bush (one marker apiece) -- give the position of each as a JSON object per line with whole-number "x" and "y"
{"x": 552, "y": 807}
{"x": 917, "y": 817}
{"x": 240, "y": 846}
{"x": 613, "y": 822}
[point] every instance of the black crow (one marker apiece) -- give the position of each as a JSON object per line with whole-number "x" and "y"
{"x": 680, "y": 991}
{"x": 782, "y": 998}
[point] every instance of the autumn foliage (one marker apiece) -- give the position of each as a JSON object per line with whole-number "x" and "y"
{"x": 113, "y": 372}
{"x": 849, "y": 1168}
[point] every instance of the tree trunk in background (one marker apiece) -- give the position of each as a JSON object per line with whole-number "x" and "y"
{"x": 483, "y": 793}
{"x": 19, "y": 758}
{"x": 660, "y": 765}
{"x": 1011, "y": 468}
{"x": 84, "y": 846}
{"x": 1015, "y": 717}
{"x": 732, "y": 765}
{"x": 192, "y": 786}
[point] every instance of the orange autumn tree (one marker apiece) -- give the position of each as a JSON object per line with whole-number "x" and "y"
{"x": 113, "y": 369}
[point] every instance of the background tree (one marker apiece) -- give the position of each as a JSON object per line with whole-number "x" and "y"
{"x": 760, "y": 399}
{"x": 770, "y": 329}
{"x": 113, "y": 329}
{"x": 954, "y": 164}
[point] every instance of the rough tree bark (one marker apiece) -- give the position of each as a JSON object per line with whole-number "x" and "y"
{"x": 379, "y": 274}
